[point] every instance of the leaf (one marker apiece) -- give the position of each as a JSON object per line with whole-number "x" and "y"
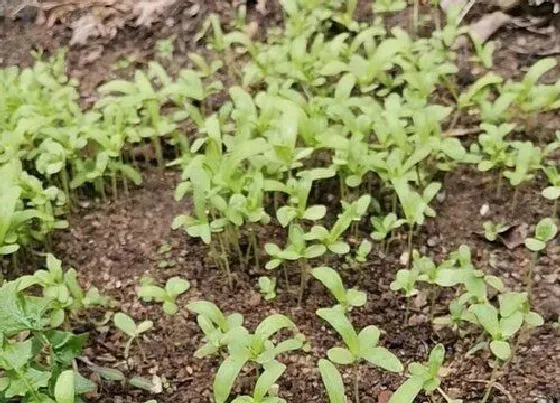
{"x": 109, "y": 374}
{"x": 272, "y": 324}
{"x": 315, "y": 212}
{"x": 226, "y": 376}
{"x": 64, "y": 387}
{"x": 144, "y": 326}
{"x": 487, "y": 315}
{"x": 19, "y": 313}
{"x": 268, "y": 378}
{"x": 407, "y": 392}
{"x": 332, "y": 380}
{"x": 501, "y": 349}
{"x": 314, "y": 251}
{"x": 533, "y": 319}
{"x": 333, "y": 68}
{"x": 331, "y": 279}
{"x": 15, "y": 356}
{"x": 356, "y": 298}
{"x": 125, "y": 324}
{"x": 339, "y": 247}
{"x": 510, "y": 325}
{"x": 176, "y": 286}
{"x": 341, "y": 356}
{"x": 285, "y": 215}
{"x": 382, "y": 358}
{"x": 142, "y": 383}
{"x": 546, "y": 230}
{"x": 535, "y": 245}
{"x": 336, "y": 317}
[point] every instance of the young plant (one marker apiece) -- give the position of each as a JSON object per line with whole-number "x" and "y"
{"x": 552, "y": 191}
{"x": 267, "y": 287}
{"x": 165, "y": 48}
{"x": 127, "y": 325}
{"x": 359, "y": 347}
{"x": 348, "y": 299}
{"x": 215, "y": 326}
{"x": 174, "y": 287}
{"x": 383, "y": 226}
{"x": 406, "y": 281}
{"x": 492, "y": 230}
{"x": 545, "y": 231}
{"x": 332, "y": 381}
{"x": 264, "y": 387}
{"x": 423, "y": 377}
{"x": 254, "y": 347}
{"x": 526, "y": 160}
{"x": 416, "y": 207}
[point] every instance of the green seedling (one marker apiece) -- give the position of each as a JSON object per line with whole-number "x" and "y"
{"x": 265, "y": 383}
{"x": 297, "y": 249}
{"x": 483, "y": 51}
{"x": 416, "y": 207}
{"x": 165, "y": 48}
{"x": 215, "y": 326}
{"x": 423, "y": 377}
{"x": 127, "y": 325}
{"x": 363, "y": 251}
{"x": 406, "y": 281}
{"x": 383, "y": 226}
{"x": 358, "y": 347}
{"x": 348, "y": 299}
{"x": 174, "y": 287}
{"x": 545, "y": 231}
{"x": 257, "y": 347}
{"x": 492, "y": 230}
{"x": 552, "y": 192}
{"x": 267, "y": 287}
{"x": 526, "y": 160}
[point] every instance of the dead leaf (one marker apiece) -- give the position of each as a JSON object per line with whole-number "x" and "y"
{"x": 505, "y": 4}
{"x": 384, "y": 396}
{"x": 514, "y": 236}
{"x": 261, "y": 6}
{"x": 447, "y": 4}
{"x": 86, "y": 27}
{"x": 147, "y": 11}
{"x": 488, "y": 25}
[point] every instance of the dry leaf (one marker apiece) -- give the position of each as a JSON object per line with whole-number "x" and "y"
{"x": 147, "y": 11}
{"x": 488, "y": 25}
{"x": 447, "y": 4}
{"x": 261, "y": 6}
{"x": 88, "y": 26}
{"x": 514, "y": 236}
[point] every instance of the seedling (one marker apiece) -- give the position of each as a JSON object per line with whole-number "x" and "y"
{"x": 423, "y": 377}
{"x": 552, "y": 192}
{"x": 165, "y": 48}
{"x": 267, "y": 287}
{"x": 358, "y": 347}
{"x": 215, "y": 326}
{"x": 348, "y": 299}
{"x": 174, "y": 287}
{"x": 383, "y": 226}
{"x": 526, "y": 160}
{"x": 332, "y": 381}
{"x": 492, "y": 230}
{"x": 264, "y": 388}
{"x": 406, "y": 281}
{"x": 127, "y": 325}
{"x": 545, "y": 231}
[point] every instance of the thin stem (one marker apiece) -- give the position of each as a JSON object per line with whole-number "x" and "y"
{"x": 357, "y": 382}
{"x": 491, "y": 383}
{"x": 114, "y": 185}
{"x": 255, "y": 242}
{"x": 514, "y": 199}
{"x": 409, "y": 247}
{"x": 127, "y": 347}
{"x": 303, "y": 281}
{"x": 285, "y": 270}
{"x": 434, "y": 295}
{"x": 66, "y": 187}
{"x": 407, "y": 311}
{"x": 226, "y": 261}
{"x": 415, "y": 16}
{"x": 156, "y": 141}
{"x": 529, "y": 274}
{"x": 499, "y": 185}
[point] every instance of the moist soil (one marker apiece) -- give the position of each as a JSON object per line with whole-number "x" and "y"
{"x": 114, "y": 243}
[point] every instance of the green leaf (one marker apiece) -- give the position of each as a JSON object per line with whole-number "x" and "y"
{"x": 109, "y": 374}
{"x": 30, "y": 379}
{"x": 487, "y": 315}
{"x": 144, "y": 326}
{"x": 369, "y": 336}
{"x": 510, "y": 325}
{"x": 341, "y": 356}
{"x": 339, "y": 247}
{"x": 142, "y": 383}
{"x": 314, "y": 251}
{"x": 64, "y": 387}
{"x": 407, "y": 392}
{"x": 268, "y": 378}
{"x": 382, "y": 358}
{"x": 356, "y": 298}
{"x": 272, "y": 324}
{"x": 226, "y": 376}
{"x": 285, "y": 215}
{"x": 500, "y": 349}
{"x": 533, "y": 319}
{"x": 536, "y": 245}
{"x": 315, "y": 212}
{"x": 332, "y": 380}
{"x": 551, "y": 192}
{"x": 176, "y": 286}
{"x": 15, "y": 356}
{"x": 336, "y": 317}
{"x": 333, "y": 68}
{"x": 125, "y": 324}
{"x": 546, "y": 230}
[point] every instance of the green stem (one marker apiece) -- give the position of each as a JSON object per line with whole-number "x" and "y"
{"x": 407, "y": 311}
{"x": 529, "y": 274}
{"x": 357, "y": 382}
{"x": 433, "y": 303}
{"x": 65, "y": 186}
{"x": 499, "y": 185}
{"x": 114, "y": 185}
{"x": 255, "y": 242}
{"x": 303, "y": 280}
{"x": 409, "y": 245}
{"x": 125, "y": 180}
{"x": 287, "y": 281}
{"x": 514, "y": 199}
{"x": 127, "y": 347}
{"x": 415, "y": 16}
{"x": 225, "y": 259}
{"x": 491, "y": 383}
{"x": 158, "y": 149}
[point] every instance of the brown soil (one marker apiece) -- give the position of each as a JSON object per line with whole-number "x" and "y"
{"x": 113, "y": 244}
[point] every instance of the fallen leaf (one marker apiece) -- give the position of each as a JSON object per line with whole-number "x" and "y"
{"x": 384, "y": 396}
{"x": 261, "y": 6}
{"x": 86, "y": 27}
{"x": 447, "y": 4}
{"x": 484, "y": 28}
{"x": 147, "y": 11}
{"x": 514, "y": 236}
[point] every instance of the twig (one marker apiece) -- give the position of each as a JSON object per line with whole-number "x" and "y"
{"x": 496, "y": 385}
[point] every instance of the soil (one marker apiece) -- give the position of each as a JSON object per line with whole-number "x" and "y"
{"x": 113, "y": 244}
